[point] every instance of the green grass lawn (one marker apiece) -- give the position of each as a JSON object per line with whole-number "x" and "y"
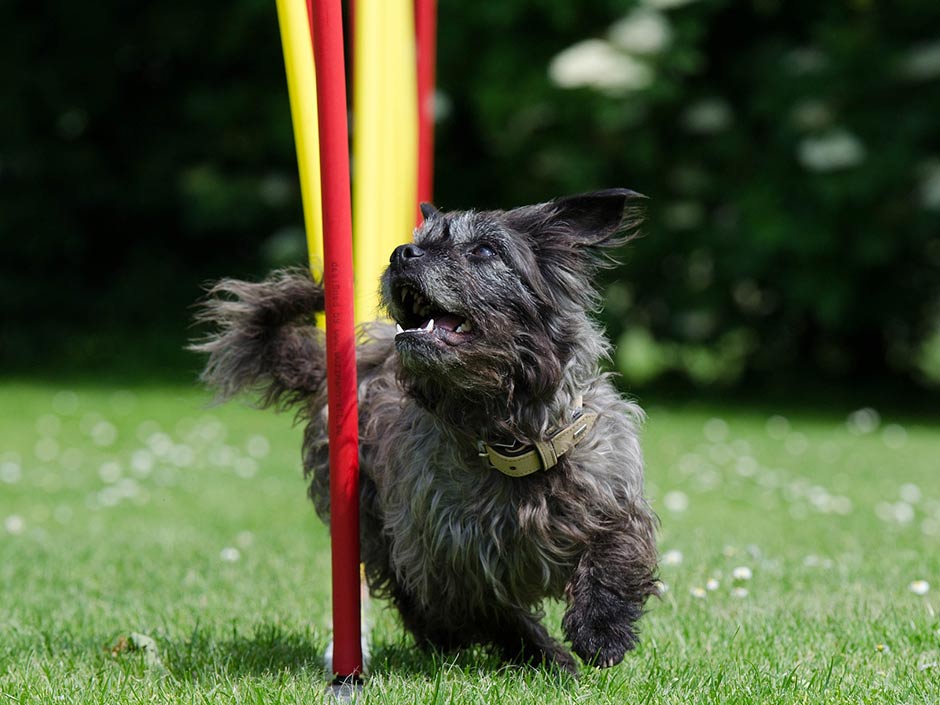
{"x": 793, "y": 545}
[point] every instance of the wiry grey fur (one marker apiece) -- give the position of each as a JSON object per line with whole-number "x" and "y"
{"x": 467, "y": 554}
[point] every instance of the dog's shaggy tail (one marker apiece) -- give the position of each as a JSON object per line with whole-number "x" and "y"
{"x": 265, "y": 342}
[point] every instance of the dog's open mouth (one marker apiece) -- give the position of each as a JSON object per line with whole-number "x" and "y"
{"x": 418, "y": 315}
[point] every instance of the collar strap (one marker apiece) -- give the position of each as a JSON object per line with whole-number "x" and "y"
{"x": 540, "y": 455}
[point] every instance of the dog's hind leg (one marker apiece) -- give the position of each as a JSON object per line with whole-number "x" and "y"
{"x": 430, "y": 631}
{"x": 606, "y": 594}
{"x": 520, "y": 637}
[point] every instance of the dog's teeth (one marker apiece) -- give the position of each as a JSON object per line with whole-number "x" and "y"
{"x": 398, "y": 329}
{"x": 430, "y": 326}
{"x": 464, "y": 327}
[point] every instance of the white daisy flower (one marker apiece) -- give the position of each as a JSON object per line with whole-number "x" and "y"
{"x": 676, "y": 501}
{"x": 14, "y": 524}
{"x": 673, "y": 557}
{"x": 230, "y": 554}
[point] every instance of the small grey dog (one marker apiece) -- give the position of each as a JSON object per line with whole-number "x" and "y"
{"x": 499, "y": 465}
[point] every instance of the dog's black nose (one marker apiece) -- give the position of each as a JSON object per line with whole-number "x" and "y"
{"x": 403, "y": 253}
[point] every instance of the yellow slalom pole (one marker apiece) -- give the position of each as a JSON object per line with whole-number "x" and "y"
{"x": 366, "y": 146}
{"x": 302, "y": 89}
{"x": 404, "y": 84}
{"x": 384, "y": 141}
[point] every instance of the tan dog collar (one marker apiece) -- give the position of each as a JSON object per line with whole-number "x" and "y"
{"x": 522, "y": 460}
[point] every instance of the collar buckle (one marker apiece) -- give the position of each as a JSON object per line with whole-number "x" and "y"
{"x": 525, "y": 459}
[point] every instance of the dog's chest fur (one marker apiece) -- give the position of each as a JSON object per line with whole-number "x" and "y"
{"x": 459, "y": 531}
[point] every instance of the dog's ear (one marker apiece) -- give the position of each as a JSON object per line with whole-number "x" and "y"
{"x": 588, "y": 222}
{"x": 598, "y": 216}
{"x": 428, "y": 211}
{"x": 573, "y": 236}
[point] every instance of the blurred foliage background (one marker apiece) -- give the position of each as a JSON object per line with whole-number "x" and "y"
{"x": 790, "y": 150}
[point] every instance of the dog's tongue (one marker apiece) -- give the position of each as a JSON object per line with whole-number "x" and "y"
{"x": 448, "y": 321}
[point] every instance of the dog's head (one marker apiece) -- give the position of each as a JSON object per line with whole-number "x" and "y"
{"x": 498, "y": 302}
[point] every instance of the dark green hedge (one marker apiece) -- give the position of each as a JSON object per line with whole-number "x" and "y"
{"x": 791, "y": 152}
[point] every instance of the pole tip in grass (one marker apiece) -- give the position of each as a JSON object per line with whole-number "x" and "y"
{"x": 344, "y": 689}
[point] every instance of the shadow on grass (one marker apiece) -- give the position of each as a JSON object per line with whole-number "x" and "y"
{"x": 269, "y": 649}
{"x": 272, "y": 651}
{"x": 405, "y": 658}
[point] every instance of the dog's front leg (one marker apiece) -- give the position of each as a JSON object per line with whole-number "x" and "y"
{"x": 606, "y": 594}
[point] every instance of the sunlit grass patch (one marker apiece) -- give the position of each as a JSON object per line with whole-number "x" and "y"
{"x": 799, "y": 561}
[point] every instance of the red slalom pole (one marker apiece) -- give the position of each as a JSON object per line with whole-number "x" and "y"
{"x": 425, "y": 36}
{"x": 327, "y": 24}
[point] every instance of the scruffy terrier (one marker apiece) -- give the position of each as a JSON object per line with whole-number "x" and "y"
{"x": 499, "y": 465}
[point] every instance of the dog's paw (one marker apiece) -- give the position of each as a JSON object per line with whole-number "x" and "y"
{"x": 602, "y": 630}
{"x": 596, "y": 651}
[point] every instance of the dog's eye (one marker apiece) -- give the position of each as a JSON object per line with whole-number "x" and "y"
{"x": 483, "y": 251}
